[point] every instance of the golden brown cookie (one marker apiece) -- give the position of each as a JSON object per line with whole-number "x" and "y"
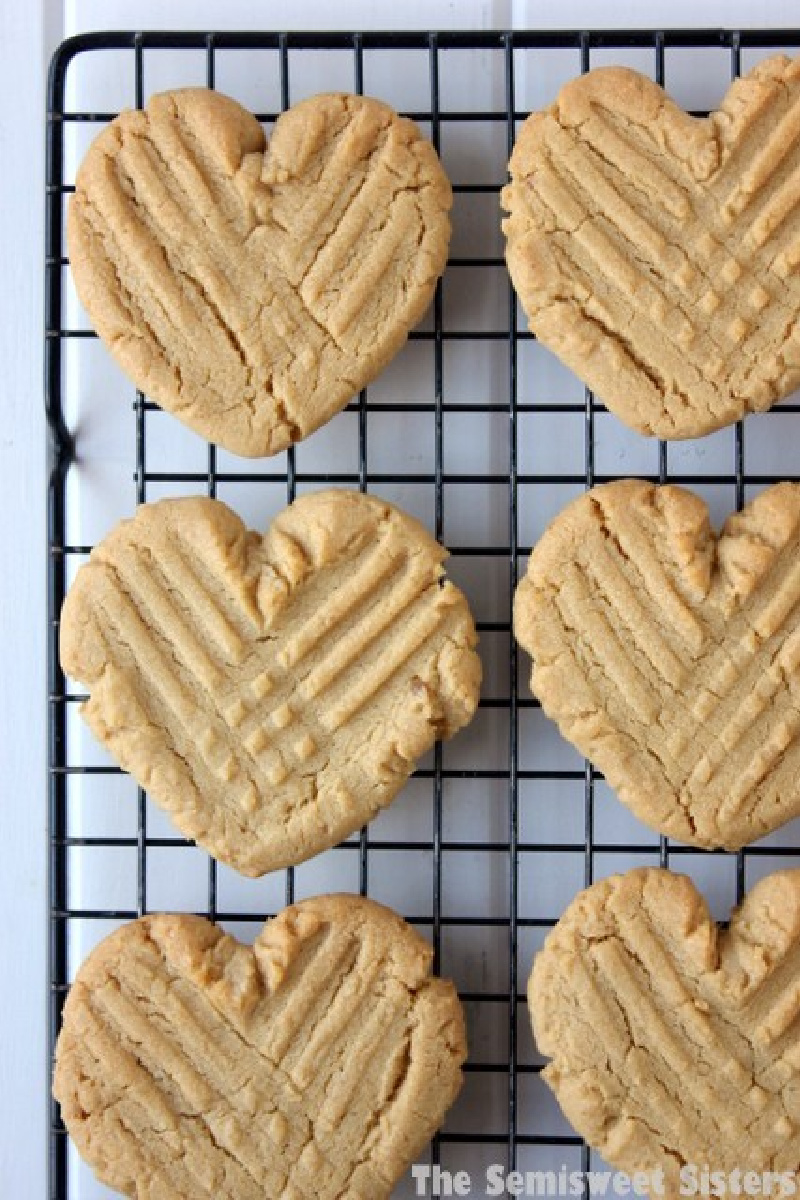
{"x": 271, "y": 693}
{"x": 656, "y": 253}
{"x": 669, "y": 656}
{"x": 312, "y": 1066}
{"x": 674, "y": 1044}
{"x": 250, "y": 288}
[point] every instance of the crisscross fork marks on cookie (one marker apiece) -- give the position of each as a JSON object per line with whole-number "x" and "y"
{"x": 673, "y": 1042}
{"x": 193, "y": 1064}
{"x": 252, "y": 289}
{"x": 272, "y": 694}
{"x": 669, "y": 657}
{"x": 657, "y": 254}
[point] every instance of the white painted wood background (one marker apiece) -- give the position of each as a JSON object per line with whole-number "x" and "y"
{"x": 29, "y": 31}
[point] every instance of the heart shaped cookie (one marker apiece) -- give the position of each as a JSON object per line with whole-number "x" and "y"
{"x": 669, "y": 656}
{"x": 656, "y": 253}
{"x": 674, "y": 1045}
{"x": 312, "y": 1066}
{"x": 271, "y": 693}
{"x": 252, "y": 290}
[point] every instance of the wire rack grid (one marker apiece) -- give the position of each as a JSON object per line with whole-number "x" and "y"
{"x": 494, "y": 836}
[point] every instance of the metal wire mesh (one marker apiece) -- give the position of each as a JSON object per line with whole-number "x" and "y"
{"x": 523, "y": 1126}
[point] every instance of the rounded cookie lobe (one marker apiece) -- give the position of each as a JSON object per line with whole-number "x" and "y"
{"x": 671, "y": 1042}
{"x": 669, "y": 656}
{"x": 656, "y": 253}
{"x": 271, "y": 693}
{"x": 250, "y": 288}
{"x": 314, "y": 1064}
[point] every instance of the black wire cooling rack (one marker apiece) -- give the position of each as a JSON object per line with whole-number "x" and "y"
{"x": 506, "y": 1004}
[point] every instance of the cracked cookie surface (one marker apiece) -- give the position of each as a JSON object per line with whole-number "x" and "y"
{"x": 669, "y": 656}
{"x": 657, "y": 254}
{"x": 673, "y": 1042}
{"x": 271, "y": 693}
{"x": 311, "y": 1066}
{"x": 251, "y": 289}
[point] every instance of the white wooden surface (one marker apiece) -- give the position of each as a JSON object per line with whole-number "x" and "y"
{"x": 29, "y": 31}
